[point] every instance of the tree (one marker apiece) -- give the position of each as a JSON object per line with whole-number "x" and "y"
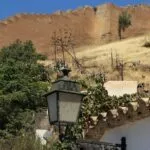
{"x": 22, "y": 83}
{"x": 63, "y": 44}
{"x": 124, "y": 21}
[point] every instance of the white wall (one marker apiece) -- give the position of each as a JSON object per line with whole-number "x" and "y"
{"x": 137, "y": 135}
{"x": 43, "y": 135}
{"x": 119, "y": 88}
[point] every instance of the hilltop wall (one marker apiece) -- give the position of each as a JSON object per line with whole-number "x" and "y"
{"x": 88, "y": 25}
{"x": 108, "y": 19}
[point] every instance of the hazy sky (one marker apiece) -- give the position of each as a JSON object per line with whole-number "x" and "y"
{"x": 12, "y": 7}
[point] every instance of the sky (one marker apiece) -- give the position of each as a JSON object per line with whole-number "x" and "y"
{"x": 12, "y": 7}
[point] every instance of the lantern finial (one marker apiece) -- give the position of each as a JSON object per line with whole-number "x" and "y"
{"x": 65, "y": 70}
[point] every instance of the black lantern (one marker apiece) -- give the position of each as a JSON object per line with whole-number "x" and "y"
{"x": 64, "y": 100}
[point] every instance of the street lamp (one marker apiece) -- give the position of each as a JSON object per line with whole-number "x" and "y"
{"x": 64, "y": 100}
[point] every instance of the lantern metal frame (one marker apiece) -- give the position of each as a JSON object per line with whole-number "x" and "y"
{"x": 58, "y": 122}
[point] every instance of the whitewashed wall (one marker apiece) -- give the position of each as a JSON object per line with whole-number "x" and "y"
{"x": 119, "y": 88}
{"x": 137, "y": 135}
{"x": 43, "y": 135}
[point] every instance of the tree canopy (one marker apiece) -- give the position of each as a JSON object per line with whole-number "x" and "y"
{"x": 124, "y": 21}
{"x": 22, "y": 83}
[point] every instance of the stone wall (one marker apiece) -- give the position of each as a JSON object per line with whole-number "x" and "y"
{"x": 88, "y": 25}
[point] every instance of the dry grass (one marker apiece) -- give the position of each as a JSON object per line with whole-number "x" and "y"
{"x": 130, "y": 50}
{"x": 98, "y": 59}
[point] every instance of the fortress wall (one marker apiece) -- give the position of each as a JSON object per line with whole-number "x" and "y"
{"x": 88, "y": 25}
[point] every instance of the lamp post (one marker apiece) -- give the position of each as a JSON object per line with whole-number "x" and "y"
{"x": 64, "y": 101}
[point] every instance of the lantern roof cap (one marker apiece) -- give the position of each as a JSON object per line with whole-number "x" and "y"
{"x": 63, "y": 91}
{"x": 65, "y": 84}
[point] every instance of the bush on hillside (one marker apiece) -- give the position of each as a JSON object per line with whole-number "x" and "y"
{"x": 147, "y": 44}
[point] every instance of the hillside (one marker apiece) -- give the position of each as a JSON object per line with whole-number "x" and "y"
{"x": 88, "y": 25}
{"x": 131, "y": 51}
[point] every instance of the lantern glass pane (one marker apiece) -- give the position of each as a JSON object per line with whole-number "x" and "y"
{"x": 52, "y": 106}
{"x": 69, "y": 106}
